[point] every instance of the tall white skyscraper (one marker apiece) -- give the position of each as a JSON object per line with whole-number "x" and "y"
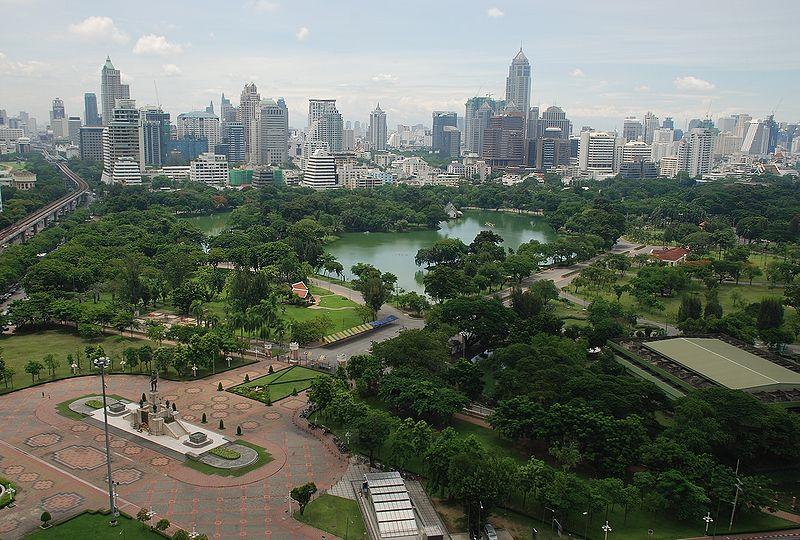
{"x": 199, "y": 125}
{"x": 597, "y": 151}
{"x": 249, "y": 102}
{"x": 320, "y": 170}
{"x": 325, "y": 123}
{"x": 273, "y": 132}
{"x": 694, "y": 152}
{"x": 123, "y": 155}
{"x": 111, "y": 89}
{"x": 756, "y": 138}
{"x": 518, "y": 83}
{"x": 651, "y": 124}
{"x": 376, "y": 133}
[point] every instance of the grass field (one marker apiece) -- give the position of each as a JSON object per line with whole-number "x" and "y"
{"x": 264, "y": 457}
{"x": 95, "y": 526}
{"x": 18, "y": 349}
{"x": 281, "y": 384}
{"x": 332, "y": 514}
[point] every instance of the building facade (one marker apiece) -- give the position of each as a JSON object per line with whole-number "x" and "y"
{"x": 695, "y": 151}
{"x": 325, "y": 124}
{"x": 122, "y": 141}
{"x": 597, "y": 152}
{"x": 199, "y": 125}
{"x": 320, "y": 171}
{"x": 209, "y": 168}
{"x": 440, "y": 120}
{"x": 90, "y": 115}
{"x": 377, "y": 132}
{"x": 273, "y": 133}
{"x": 111, "y": 89}
{"x": 518, "y": 83}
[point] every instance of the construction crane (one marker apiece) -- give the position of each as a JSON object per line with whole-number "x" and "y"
{"x": 158, "y": 101}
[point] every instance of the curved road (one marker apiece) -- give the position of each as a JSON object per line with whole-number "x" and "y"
{"x": 81, "y": 188}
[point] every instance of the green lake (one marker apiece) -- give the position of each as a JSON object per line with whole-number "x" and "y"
{"x": 395, "y": 252}
{"x": 211, "y": 224}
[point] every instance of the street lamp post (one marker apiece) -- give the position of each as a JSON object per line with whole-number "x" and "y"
{"x": 586, "y": 527}
{"x": 708, "y": 519}
{"x": 102, "y": 363}
{"x": 606, "y": 529}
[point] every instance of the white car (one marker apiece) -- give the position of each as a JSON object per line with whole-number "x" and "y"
{"x": 489, "y": 532}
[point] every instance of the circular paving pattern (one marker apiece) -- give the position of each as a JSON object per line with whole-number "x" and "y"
{"x": 219, "y": 414}
{"x": 132, "y": 450}
{"x": 250, "y": 424}
{"x": 15, "y": 469}
{"x": 170, "y": 397}
{"x": 79, "y": 428}
{"x": 117, "y": 443}
{"x": 43, "y": 484}
{"x": 194, "y": 390}
{"x": 220, "y": 398}
{"x": 78, "y": 457}
{"x": 159, "y": 461}
{"x": 28, "y": 477}
{"x": 188, "y": 417}
{"x": 242, "y": 406}
{"x": 43, "y": 439}
{"x": 196, "y": 407}
{"x": 126, "y": 476}
{"x": 272, "y": 416}
{"x": 219, "y": 406}
{"x": 61, "y": 502}
{"x": 100, "y": 438}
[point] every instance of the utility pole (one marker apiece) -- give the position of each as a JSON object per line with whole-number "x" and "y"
{"x": 102, "y": 363}
{"x": 736, "y": 497}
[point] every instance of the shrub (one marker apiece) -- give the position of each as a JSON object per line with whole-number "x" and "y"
{"x": 143, "y": 515}
{"x": 270, "y": 370}
{"x": 180, "y": 535}
{"x": 239, "y": 430}
{"x": 162, "y": 525}
{"x": 294, "y": 392}
{"x": 225, "y": 453}
{"x": 219, "y": 387}
{"x": 203, "y": 419}
{"x": 246, "y": 377}
{"x": 94, "y": 404}
{"x": 221, "y": 424}
{"x": 45, "y": 517}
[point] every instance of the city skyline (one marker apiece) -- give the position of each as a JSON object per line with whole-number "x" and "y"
{"x": 647, "y": 66}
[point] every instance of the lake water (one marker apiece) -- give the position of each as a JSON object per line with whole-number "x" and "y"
{"x": 212, "y": 224}
{"x": 395, "y": 252}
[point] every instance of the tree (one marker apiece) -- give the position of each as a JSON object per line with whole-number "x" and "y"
{"x": 52, "y": 363}
{"x": 143, "y": 515}
{"x": 483, "y": 322}
{"x": 371, "y": 430}
{"x": 180, "y": 535}
{"x": 770, "y": 313}
{"x": 45, "y": 519}
{"x": 532, "y": 478}
{"x": 310, "y": 330}
{"x": 567, "y": 455}
{"x": 444, "y": 282}
{"x": 33, "y": 368}
{"x": 302, "y": 494}
{"x": 690, "y": 308}
{"x": 466, "y": 377}
{"x": 162, "y": 524}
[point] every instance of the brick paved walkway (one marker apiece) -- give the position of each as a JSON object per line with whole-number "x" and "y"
{"x": 59, "y": 463}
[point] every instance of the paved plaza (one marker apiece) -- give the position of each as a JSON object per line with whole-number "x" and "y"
{"x": 58, "y": 463}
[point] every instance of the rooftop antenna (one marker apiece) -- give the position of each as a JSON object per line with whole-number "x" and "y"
{"x": 158, "y": 101}
{"x": 777, "y": 106}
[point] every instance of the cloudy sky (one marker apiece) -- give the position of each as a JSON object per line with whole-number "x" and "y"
{"x": 600, "y": 61}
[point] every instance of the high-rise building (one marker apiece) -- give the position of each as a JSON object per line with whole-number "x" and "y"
{"x": 227, "y": 112}
{"x": 111, "y": 89}
{"x": 57, "y": 112}
{"x": 440, "y": 120}
{"x": 273, "y": 133}
{"x": 123, "y": 144}
{"x": 155, "y": 135}
{"x": 695, "y": 151}
{"x": 504, "y": 140}
{"x": 90, "y": 115}
{"x": 549, "y": 151}
{"x": 664, "y": 144}
{"x": 249, "y": 102}
{"x": 518, "y": 83}
{"x": 555, "y": 117}
{"x": 91, "y": 143}
{"x": 668, "y": 166}
{"x": 477, "y": 111}
{"x": 199, "y": 125}
{"x": 377, "y": 134}
{"x": 727, "y": 123}
{"x": 633, "y": 151}
{"x": 451, "y": 142}
{"x": 756, "y": 138}
{"x": 727, "y": 144}
{"x": 348, "y": 140}
{"x": 325, "y": 124}
{"x": 73, "y": 132}
{"x": 597, "y": 152}
{"x": 650, "y": 126}
{"x": 668, "y": 123}
{"x": 232, "y": 136}
{"x": 320, "y": 170}
{"x": 632, "y": 129}
{"x": 742, "y": 123}
{"x": 532, "y": 125}
{"x": 209, "y": 168}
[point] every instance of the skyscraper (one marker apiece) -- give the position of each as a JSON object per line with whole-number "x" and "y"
{"x": 227, "y": 112}
{"x": 377, "y": 133}
{"x": 503, "y": 140}
{"x": 111, "y": 89}
{"x": 232, "y": 136}
{"x": 57, "y": 112}
{"x": 668, "y": 123}
{"x": 632, "y": 129}
{"x": 325, "y": 124}
{"x": 320, "y": 171}
{"x": 597, "y": 152}
{"x": 440, "y": 120}
{"x": 555, "y": 117}
{"x": 477, "y": 111}
{"x": 155, "y": 135}
{"x": 123, "y": 158}
{"x": 694, "y": 152}
{"x": 518, "y": 83}
{"x": 249, "y": 102}
{"x": 273, "y": 132}
{"x": 756, "y": 138}
{"x": 650, "y": 126}
{"x": 199, "y": 125}
{"x": 90, "y": 115}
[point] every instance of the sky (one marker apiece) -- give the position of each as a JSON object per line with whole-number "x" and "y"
{"x": 599, "y": 60}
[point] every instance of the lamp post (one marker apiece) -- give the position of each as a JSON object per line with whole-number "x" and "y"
{"x": 102, "y": 363}
{"x": 708, "y": 519}
{"x": 229, "y": 361}
{"x": 586, "y": 527}
{"x": 11, "y": 492}
{"x": 606, "y": 529}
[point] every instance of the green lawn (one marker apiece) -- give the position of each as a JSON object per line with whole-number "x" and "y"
{"x": 64, "y": 410}
{"x": 18, "y": 349}
{"x": 281, "y": 384}
{"x": 95, "y": 526}
{"x": 332, "y": 514}
{"x": 264, "y": 457}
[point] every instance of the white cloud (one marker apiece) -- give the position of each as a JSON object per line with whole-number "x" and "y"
{"x": 98, "y": 29}
{"x": 156, "y": 45}
{"x": 690, "y": 82}
{"x": 642, "y": 88}
{"x": 495, "y": 12}
{"x": 380, "y": 77}
{"x": 577, "y": 73}
{"x": 171, "y": 70}
{"x": 302, "y": 33}
{"x": 265, "y": 6}
{"x": 10, "y": 67}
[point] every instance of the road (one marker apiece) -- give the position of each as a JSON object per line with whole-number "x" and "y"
{"x": 8, "y": 234}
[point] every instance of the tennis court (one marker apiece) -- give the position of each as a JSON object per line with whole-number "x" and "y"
{"x": 726, "y": 364}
